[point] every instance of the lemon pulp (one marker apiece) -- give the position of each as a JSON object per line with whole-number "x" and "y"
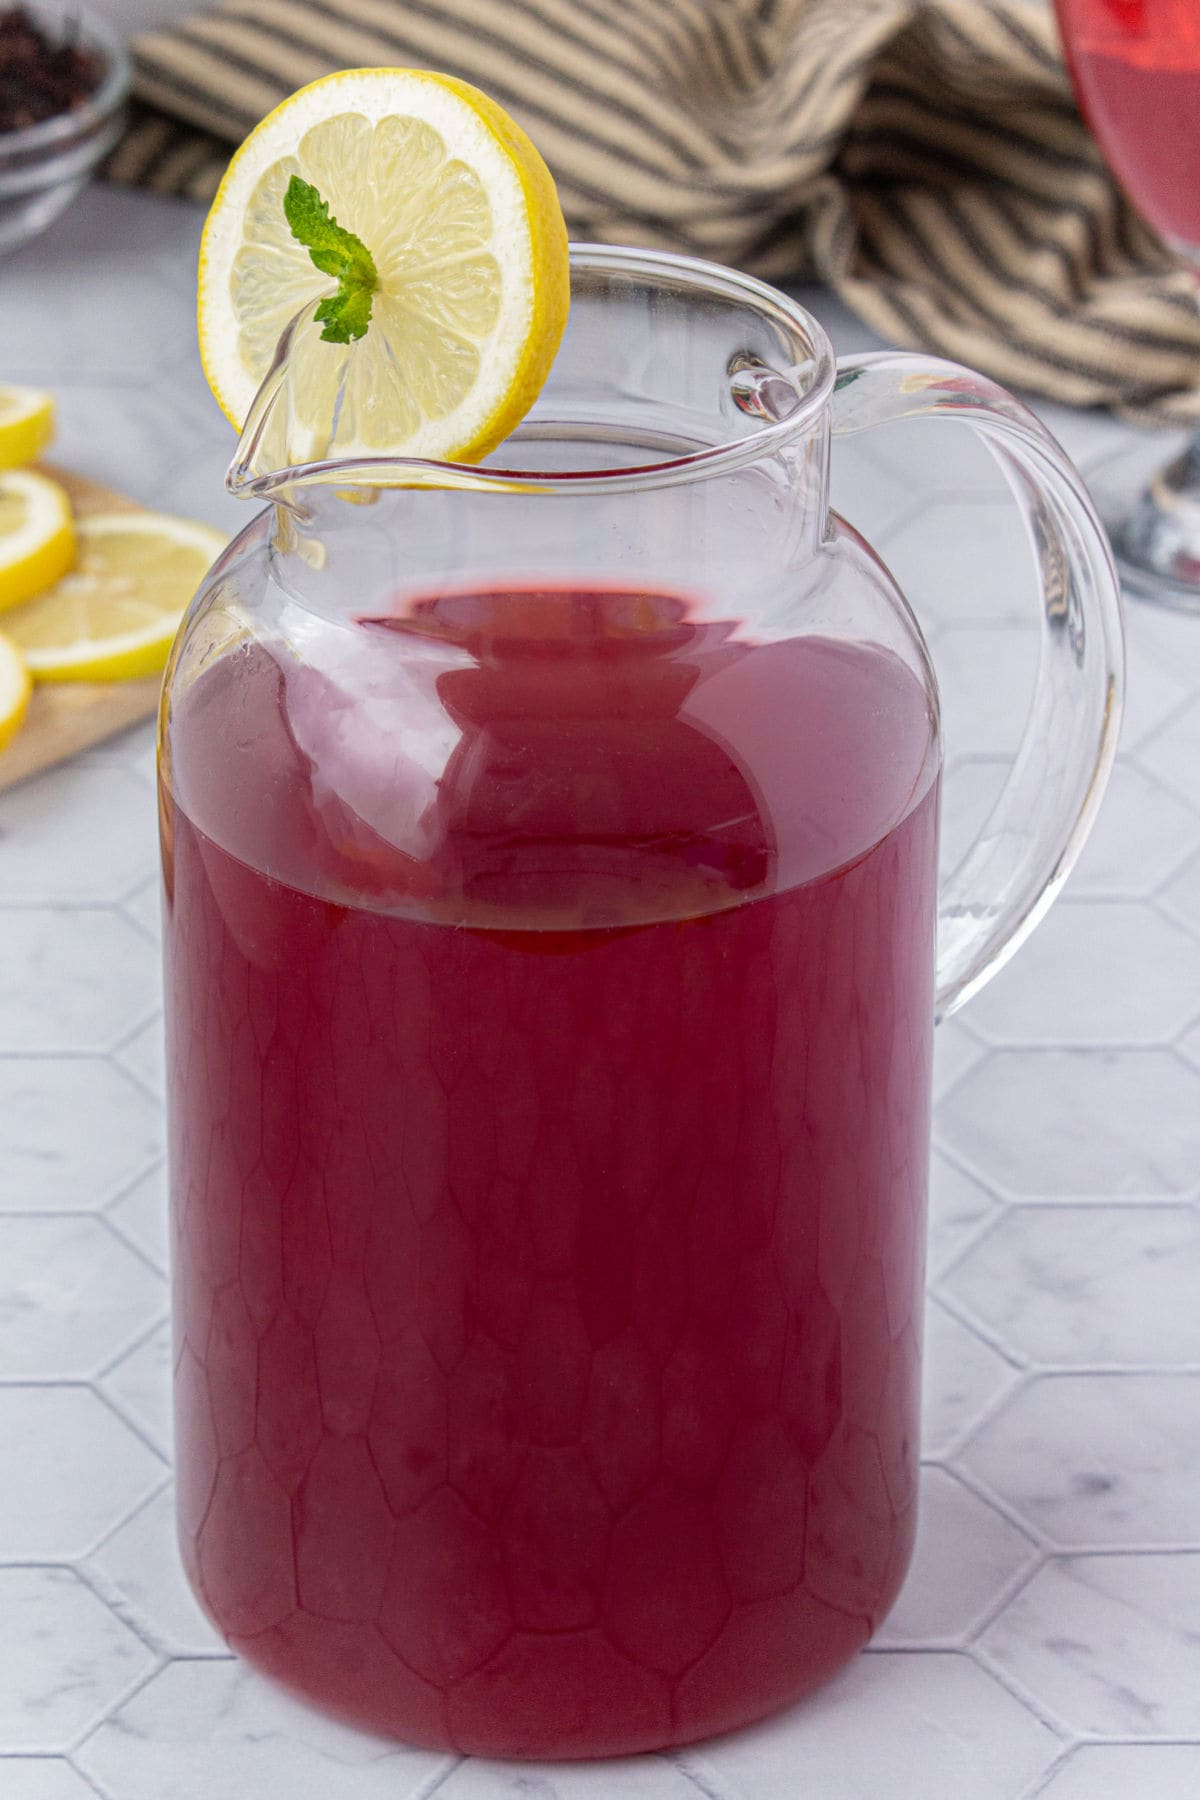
{"x": 114, "y": 616}
{"x": 462, "y": 219}
{"x": 37, "y": 535}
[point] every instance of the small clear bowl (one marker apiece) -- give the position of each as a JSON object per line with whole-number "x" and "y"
{"x": 44, "y": 166}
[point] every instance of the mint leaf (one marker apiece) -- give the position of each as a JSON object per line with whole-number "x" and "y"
{"x": 335, "y": 251}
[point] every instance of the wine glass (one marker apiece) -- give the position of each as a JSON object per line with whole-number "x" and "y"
{"x": 1136, "y": 69}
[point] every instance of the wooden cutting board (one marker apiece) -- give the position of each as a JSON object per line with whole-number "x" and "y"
{"x": 66, "y": 716}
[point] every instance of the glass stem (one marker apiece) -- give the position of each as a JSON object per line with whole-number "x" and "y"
{"x": 1159, "y": 542}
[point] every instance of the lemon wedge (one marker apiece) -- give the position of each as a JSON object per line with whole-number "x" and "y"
{"x": 468, "y": 249}
{"x": 26, "y": 424}
{"x": 114, "y": 617}
{"x": 37, "y": 536}
{"x": 15, "y": 689}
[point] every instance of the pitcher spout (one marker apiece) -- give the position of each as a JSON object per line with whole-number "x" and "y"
{"x": 286, "y": 450}
{"x": 287, "y": 446}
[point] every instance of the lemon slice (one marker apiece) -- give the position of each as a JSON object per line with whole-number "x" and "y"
{"x": 461, "y": 218}
{"x": 114, "y": 617}
{"x": 15, "y": 689}
{"x": 26, "y": 424}
{"x": 37, "y": 536}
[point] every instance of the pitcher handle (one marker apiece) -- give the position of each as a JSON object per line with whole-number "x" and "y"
{"x": 1035, "y": 831}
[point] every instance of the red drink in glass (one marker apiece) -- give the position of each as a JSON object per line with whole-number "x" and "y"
{"x": 1136, "y": 68}
{"x": 549, "y": 1211}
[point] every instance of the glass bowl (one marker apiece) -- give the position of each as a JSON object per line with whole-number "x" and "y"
{"x": 44, "y": 166}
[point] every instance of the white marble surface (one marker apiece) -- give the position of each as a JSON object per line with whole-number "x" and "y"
{"x": 1048, "y": 1642}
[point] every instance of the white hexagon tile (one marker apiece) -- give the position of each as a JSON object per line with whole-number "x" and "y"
{"x": 68, "y": 1660}
{"x": 1142, "y": 836}
{"x": 1096, "y": 1460}
{"x": 959, "y": 1206}
{"x": 71, "y": 1296}
{"x": 43, "y": 1167}
{"x": 53, "y": 1506}
{"x": 929, "y": 1727}
{"x": 1083, "y": 1122}
{"x": 1079, "y": 971}
{"x": 1109, "y": 1645}
{"x": 44, "y": 1778}
{"x": 79, "y": 833}
{"x": 139, "y": 1215}
{"x": 1127, "y": 1772}
{"x": 1088, "y": 1286}
{"x": 206, "y": 1728}
{"x": 1173, "y": 753}
{"x": 73, "y": 981}
{"x": 1047, "y": 1641}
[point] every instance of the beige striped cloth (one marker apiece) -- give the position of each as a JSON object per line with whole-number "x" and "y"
{"x": 923, "y": 157}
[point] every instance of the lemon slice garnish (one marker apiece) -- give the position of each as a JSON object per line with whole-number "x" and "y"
{"x": 462, "y": 220}
{"x": 15, "y": 689}
{"x": 26, "y": 424}
{"x": 37, "y": 536}
{"x": 114, "y": 617}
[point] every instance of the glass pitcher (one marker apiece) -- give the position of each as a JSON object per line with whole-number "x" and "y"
{"x": 551, "y": 906}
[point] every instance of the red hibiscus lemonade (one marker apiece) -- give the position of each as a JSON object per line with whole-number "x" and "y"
{"x": 549, "y": 1168}
{"x": 1136, "y": 68}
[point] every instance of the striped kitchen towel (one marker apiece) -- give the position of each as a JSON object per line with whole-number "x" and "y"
{"x": 923, "y": 157}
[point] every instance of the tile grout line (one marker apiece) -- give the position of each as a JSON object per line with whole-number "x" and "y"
{"x": 691, "y": 1765}
{"x": 101, "y": 1791}
{"x": 118, "y": 1705}
{"x": 1046, "y": 1716}
{"x": 142, "y": 1337}
{"x": 130, "y": 1422}
{"x": 435, "y": 1782}
{"x": 1041, "y": 1782}
{"x": 983, "y": 1228}
{"x": 950, "y": 1304}
{"x": 130, "y": 1242}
